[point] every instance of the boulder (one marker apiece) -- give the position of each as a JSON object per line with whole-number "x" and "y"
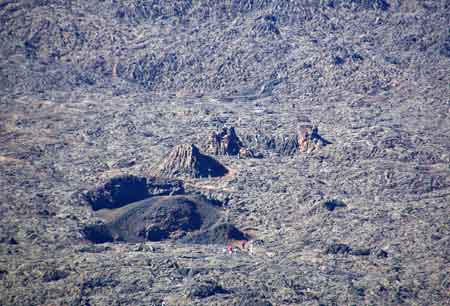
{"x": 331, "y": 205}
{"x": 206, "y": 289}
{"x": 338, "y": 248}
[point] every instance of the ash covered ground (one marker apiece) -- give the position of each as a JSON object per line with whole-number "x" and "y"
{"x": 119, "y": 186}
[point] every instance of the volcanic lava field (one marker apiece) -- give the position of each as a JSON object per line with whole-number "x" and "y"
{"x": 139, "y": 139}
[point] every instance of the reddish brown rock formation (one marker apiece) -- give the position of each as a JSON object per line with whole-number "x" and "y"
{"x": 309, "y": 139}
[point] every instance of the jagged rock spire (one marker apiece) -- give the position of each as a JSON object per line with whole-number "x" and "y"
{"x": 186, "y": 160}
{"x": 225, "y": 142}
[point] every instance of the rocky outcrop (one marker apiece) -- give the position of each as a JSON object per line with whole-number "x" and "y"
{"x": 305, "y": 140}
{"x": 186, "y": 160}
{"x": 309, "y": 139}
{"x": 225, "y": 142}
{"x": 286, "y": 144}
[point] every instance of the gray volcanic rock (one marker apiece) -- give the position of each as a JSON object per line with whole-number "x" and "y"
{"x": 206, "y": 289}
{"x": 284, "y": 144}
{"x": 186, "y": 160}
{"x": 253, "y": 301}
{"x": 287, "y": 144}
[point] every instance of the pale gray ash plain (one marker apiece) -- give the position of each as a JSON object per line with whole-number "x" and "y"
{"x": 139, "y": 138}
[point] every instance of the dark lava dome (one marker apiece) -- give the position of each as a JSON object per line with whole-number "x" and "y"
{"x": 161, "y": 218}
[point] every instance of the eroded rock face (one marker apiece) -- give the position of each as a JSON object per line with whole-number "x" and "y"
{"x": 186, "y": 160}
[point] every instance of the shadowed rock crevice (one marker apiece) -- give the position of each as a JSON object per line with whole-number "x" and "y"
{"x": 186, "y": 160}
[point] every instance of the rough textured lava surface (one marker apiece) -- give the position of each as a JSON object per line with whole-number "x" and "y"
{"x": 226, "y": 153}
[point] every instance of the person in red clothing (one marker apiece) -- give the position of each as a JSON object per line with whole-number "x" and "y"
{"x": 230, "y": 249}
